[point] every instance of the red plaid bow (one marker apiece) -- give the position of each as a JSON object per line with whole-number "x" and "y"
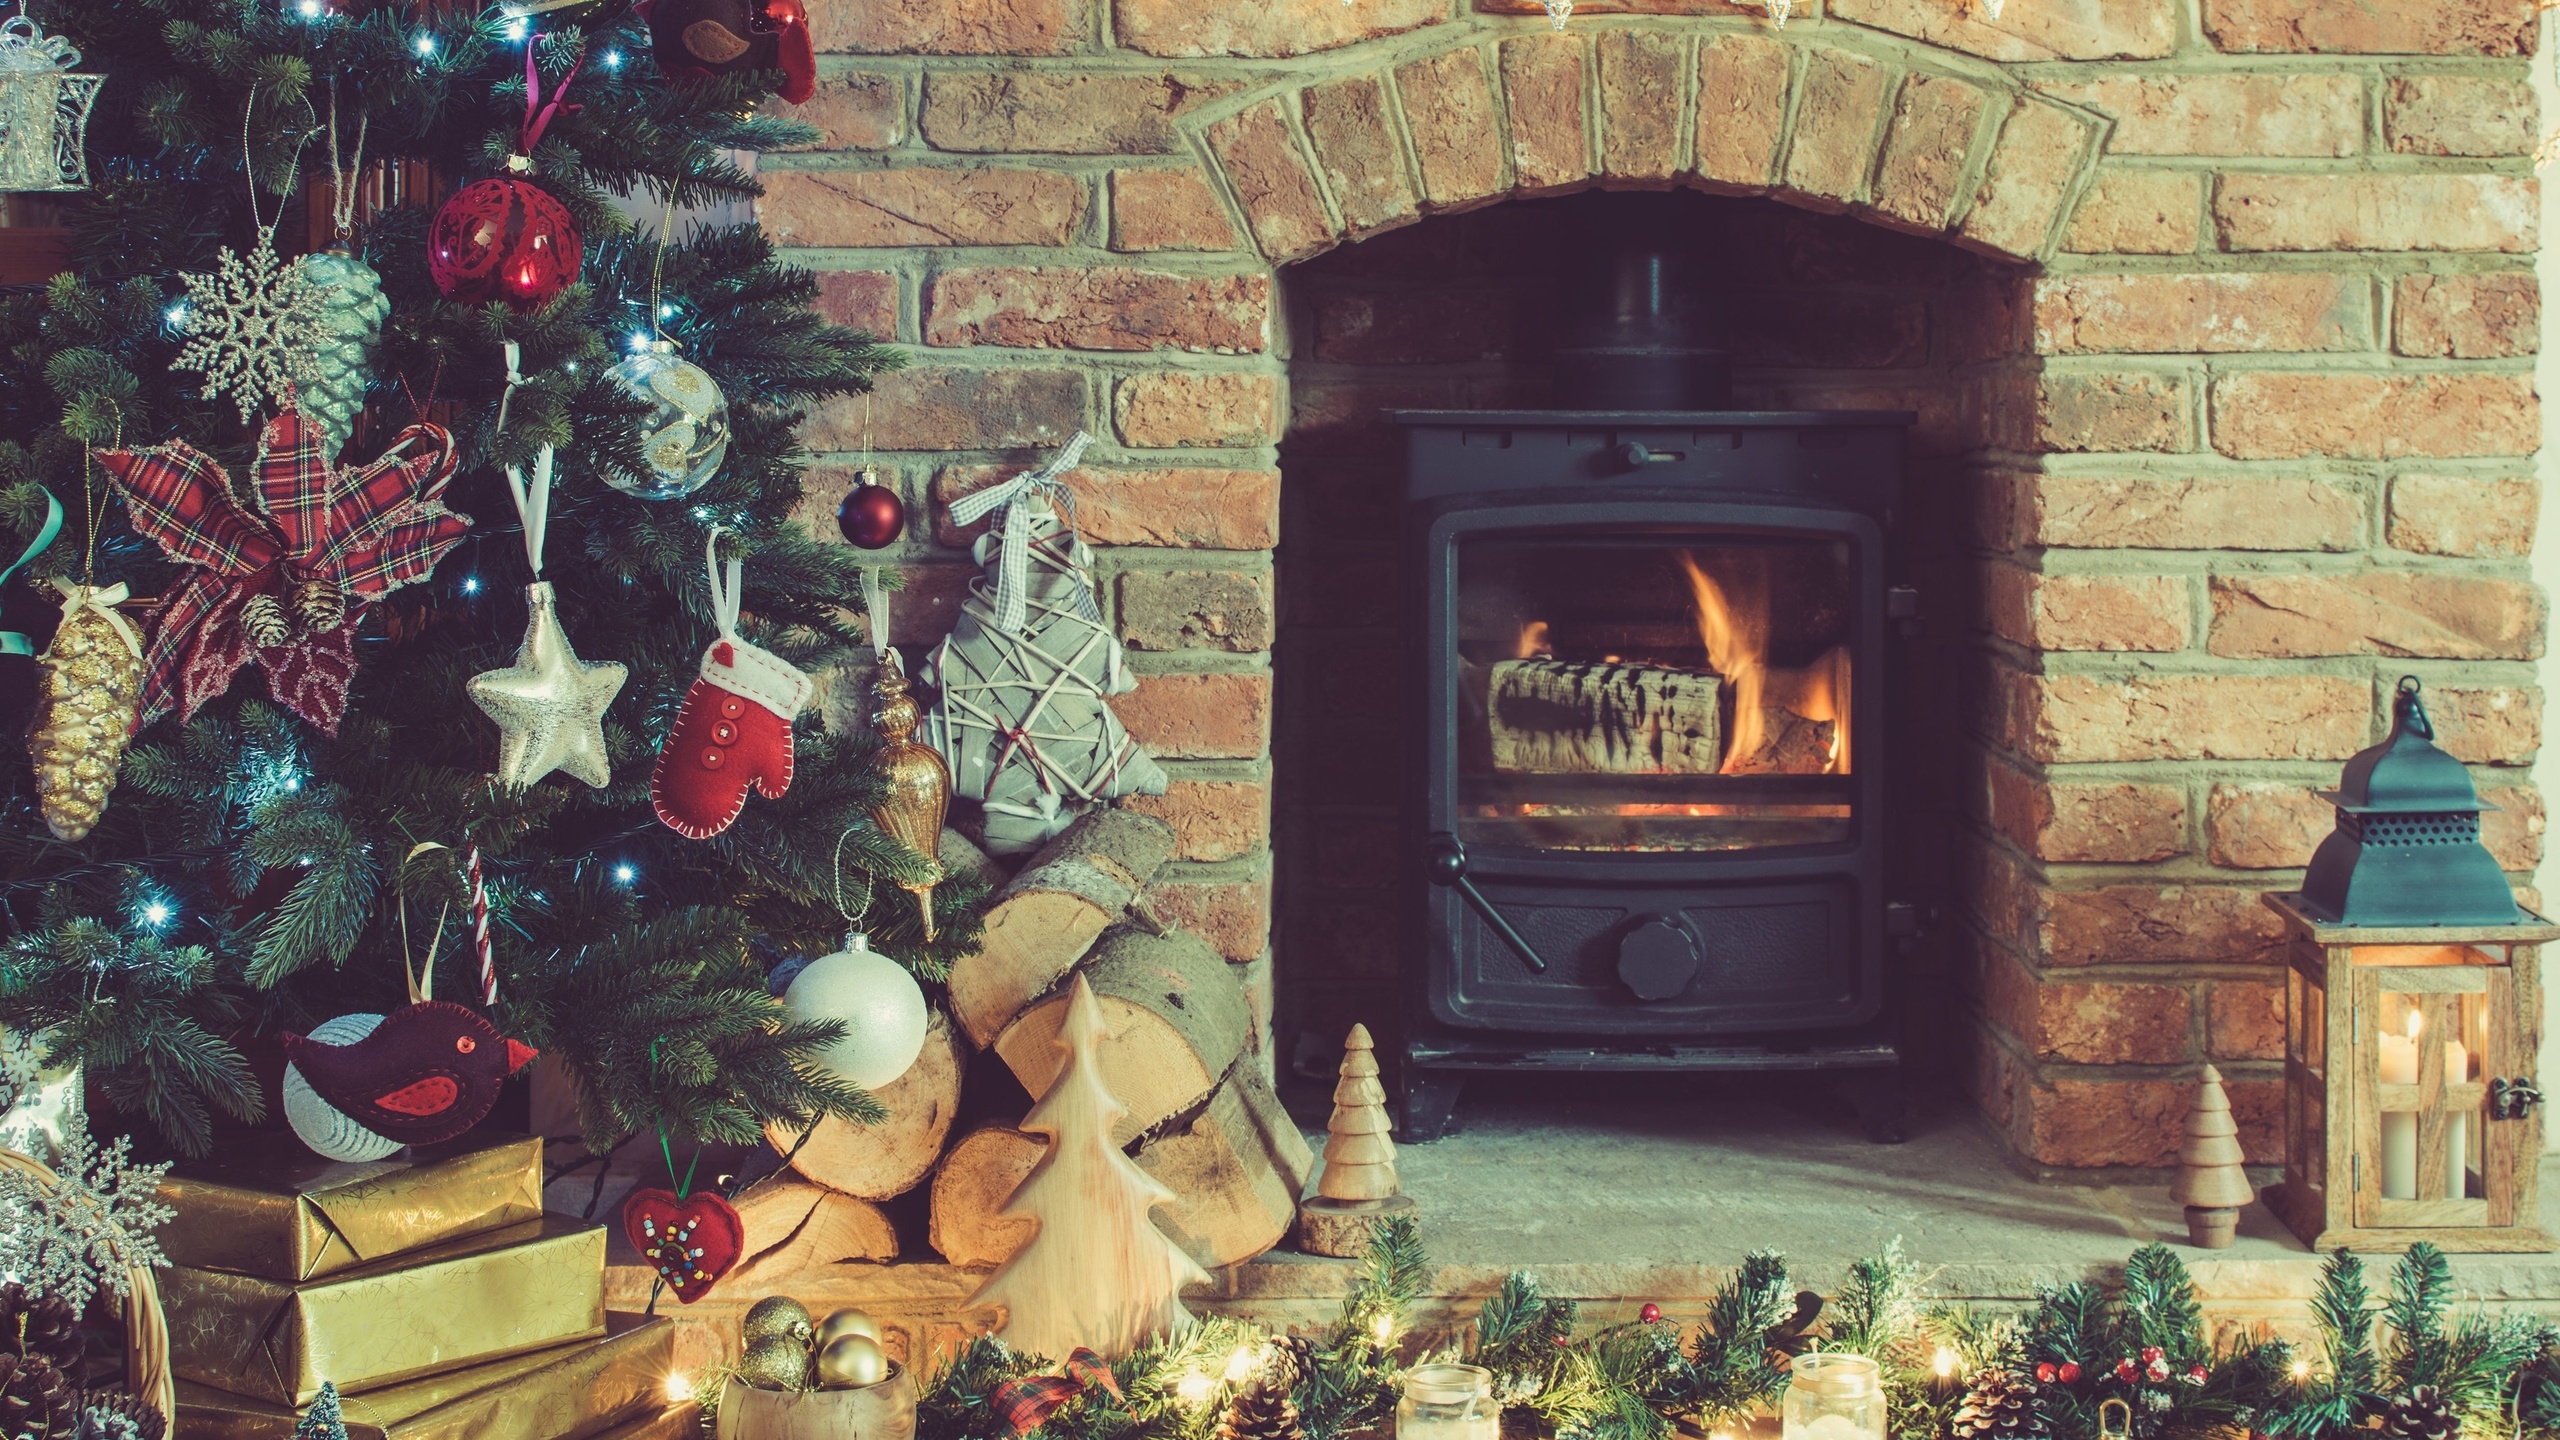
{"x": 1026, "y": 1404}
{"x": 367, "y": 531}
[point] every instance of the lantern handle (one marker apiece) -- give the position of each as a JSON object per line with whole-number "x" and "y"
{"x": 2408, "y": 712}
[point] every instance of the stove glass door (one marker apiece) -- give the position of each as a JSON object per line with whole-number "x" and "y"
{"x": 1656, "y": 690}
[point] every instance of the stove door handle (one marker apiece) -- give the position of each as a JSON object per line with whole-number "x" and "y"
{"x": 1447, "y": 862}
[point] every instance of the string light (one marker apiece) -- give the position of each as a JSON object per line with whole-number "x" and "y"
{"x": 518, "y": 28}
{"x": 1383, "y": 1329}
{"x": 679, "y": 1387}
{"x": 176, "y": 315}
{"x": 624, "y": 873}
{"x": 2301, "y": 1370}
{"x": 1195, "y": 1388}
{"x": 311, "y": 9}
{"x": 613, "y": 59}
{"x": 155, "y": 913}
{"x": 426, "y": 45}
{"x": 1246, "y": 1360}
{"x": 470, "y": 584}
{"x": 1944, "y": 1363}
{"x": 639, "y": 341}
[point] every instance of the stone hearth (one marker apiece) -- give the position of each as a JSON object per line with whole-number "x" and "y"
{"x": 2218, "y": 314}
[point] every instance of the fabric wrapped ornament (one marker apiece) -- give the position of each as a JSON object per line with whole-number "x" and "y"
{"x": 505, "y": 238}
{"x": 322, "y": 544}
{"x": 735, "y": 728}
{"x": 698, "y": 39}
{"x": 44, "y": 110}
{"x": 690, "y": 1240}
{"x": 1024, "y": 675}
{"x": 92, "y": 694}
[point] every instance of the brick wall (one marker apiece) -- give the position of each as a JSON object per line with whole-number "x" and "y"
{"x": 2237, "y": 428}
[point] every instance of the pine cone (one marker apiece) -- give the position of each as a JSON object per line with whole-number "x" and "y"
{"x": 92, "y": 687}
{"x": 1264, "y": 1410}
{"x": 34, "y": 1324}
{"x": 264, "y": 618}
{"x": 114, "y": 1415}
{"x": 2002, "y": 1406}
{"x": 37, "y": 1401}
{"x": 319, "y": 606}
{"x": 342, "y": 365}
{"x": 2421, "y": 1414}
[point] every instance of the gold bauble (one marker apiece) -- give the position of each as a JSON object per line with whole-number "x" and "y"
{"x": 776, "y": 1362}
{"x": 852, "y": 1360}
{"x": 775, "y": 1315}
{"x": 841, "y": 1323}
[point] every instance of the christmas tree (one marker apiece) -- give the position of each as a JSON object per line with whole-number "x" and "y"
{"x": 246, "y": 875}
{"x": 1099, "y": 1274}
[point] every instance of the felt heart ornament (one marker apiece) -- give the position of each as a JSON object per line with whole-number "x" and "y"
{"x": 691, "y": 1242}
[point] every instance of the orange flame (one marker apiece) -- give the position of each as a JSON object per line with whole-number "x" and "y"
{"x": 1733, "y": 621}
{"x": 1534, "y": 643}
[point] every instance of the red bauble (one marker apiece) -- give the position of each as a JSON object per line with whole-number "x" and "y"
{"x": 503, "y": 239}
{"x": 872, "y": 516}
{"x": 690, "y": 1242}
{"x": 1651, "y": 1313}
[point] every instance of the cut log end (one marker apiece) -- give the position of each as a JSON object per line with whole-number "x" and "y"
{"x": 877, "y": 1162}
{"x": 1342, "y": 1228}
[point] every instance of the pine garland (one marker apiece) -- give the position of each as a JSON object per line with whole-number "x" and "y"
{"x": 2142, "y": 1339}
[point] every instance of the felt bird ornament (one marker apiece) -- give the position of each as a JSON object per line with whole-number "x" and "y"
{"x": 427, "y": 1073}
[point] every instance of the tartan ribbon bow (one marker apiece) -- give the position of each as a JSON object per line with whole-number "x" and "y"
{"x": 1013, "y": 566}
{"x": 364, "y": 531}
{"x": 1026, "y": 1404}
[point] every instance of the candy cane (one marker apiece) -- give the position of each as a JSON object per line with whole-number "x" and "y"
{"x": 480, "y": 929}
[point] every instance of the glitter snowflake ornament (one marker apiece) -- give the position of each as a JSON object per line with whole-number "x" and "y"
{"x": 88, "y": 1228}
{"x": 255, "y": 328}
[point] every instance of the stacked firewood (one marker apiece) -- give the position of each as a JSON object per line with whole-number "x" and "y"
{"x": 1201, "y": 1112}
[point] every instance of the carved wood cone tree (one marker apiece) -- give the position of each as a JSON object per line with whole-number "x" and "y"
{"x": 1359, "y": 1154}
{"x": 2212, "y": 1182}
{"x": 1098, "y": 1273}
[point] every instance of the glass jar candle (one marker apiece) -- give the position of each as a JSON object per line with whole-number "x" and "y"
{"x": 1448, "y": 1402}
{"x": 1834, "y": 1397}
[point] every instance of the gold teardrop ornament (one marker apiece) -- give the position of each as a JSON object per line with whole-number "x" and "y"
{"x": 915, "y": 785}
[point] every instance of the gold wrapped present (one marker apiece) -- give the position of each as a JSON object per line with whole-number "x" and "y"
{"x": 568, "y": 1392}
{"x": 435, "y": 1310}
{"x": 269, "y": 1207}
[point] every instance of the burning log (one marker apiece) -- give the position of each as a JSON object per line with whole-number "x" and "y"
{"x": 1552, "y": 717}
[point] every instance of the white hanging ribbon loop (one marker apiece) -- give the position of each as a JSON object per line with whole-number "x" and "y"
{"x": 1017, "y": 496}
{"x": 533, "y": 502}
{"x": 875, "y": 610}
{"x": 725, "y": 599}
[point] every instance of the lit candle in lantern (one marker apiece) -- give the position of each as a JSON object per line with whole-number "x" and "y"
{"x": 2400, "y": 1127}
{"x": 2457, "y": 1129}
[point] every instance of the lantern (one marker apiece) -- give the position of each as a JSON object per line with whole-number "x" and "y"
{"x": 2413, "y": 1010}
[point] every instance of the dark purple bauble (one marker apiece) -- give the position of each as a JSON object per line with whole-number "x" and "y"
{"x": 872, "y": 516}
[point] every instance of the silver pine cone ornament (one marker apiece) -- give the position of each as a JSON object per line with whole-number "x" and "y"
{"x": 352, "y": 311}
{"x": 91, "y": 694}
{"x": 2002, "y": 1405}
{"x": 2421, "y": 1414}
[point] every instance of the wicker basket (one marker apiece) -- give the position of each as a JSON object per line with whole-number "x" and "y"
{"x": 146, "y": 1330}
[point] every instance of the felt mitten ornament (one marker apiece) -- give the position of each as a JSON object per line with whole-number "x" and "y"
{"x": 735, "y": 728}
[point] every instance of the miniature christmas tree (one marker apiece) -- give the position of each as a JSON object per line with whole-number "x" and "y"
{"x": 2211, "y": 1183}
{"x": 1098, "y": 1274}
{"x": 322, "y": 1421}
{"x": 1359, "y": 1181}
{"x": 1359, "y": 1156}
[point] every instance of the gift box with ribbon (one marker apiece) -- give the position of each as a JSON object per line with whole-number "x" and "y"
{"x": 44, "y": 110}
{"x": 269, "y": 1207}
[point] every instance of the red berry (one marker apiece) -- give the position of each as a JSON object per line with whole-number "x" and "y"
{"x": 2196, "y": 1376}
{"x": 1651, "y": 1312}
{"x": 2046, "y": 1373}
{"x": 2070, "y": 1372}
{"x": 2125, "y": 1371}
{"x": 2152, "y": 1354}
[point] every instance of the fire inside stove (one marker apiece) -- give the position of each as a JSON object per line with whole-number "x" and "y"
{"x": 1655, "y": 692}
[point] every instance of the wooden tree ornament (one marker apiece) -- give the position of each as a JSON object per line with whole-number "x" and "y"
{"x": 1358, "y": 1187}
{"x": 1098, "y": 1273}
{"x": 2211, "y": 1182}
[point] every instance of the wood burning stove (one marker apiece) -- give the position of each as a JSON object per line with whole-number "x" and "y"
{"x": 1652, "y": 772}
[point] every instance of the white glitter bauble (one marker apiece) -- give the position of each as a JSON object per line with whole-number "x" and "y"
{"x": 880, "y": 1004}
{"x": 324, "y": 1127}
{"x": 685, "y": 435}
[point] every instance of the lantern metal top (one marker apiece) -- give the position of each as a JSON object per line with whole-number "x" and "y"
{"x": 2407, "y": 849}
{"x": 2406, "y": 774}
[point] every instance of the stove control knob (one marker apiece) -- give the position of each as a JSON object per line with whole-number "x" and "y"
{"x": 1658, "y": 959}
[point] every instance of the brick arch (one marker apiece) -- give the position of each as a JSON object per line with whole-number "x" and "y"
{"x": 1822, "y": 117}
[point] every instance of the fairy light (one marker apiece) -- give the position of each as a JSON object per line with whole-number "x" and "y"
{"x": 176, "y": 315}
{"x": 156, "y": 913}
{"x": 426, "y": 45}
{"x": 613, "y": 59}
{"x": 625, "y": 873}
{"x": 311, "y": 9}
{"x": 470, "y": 584}
{"x": 2301, "y": 1371}
{"x": 1943, "y": 1363}
{"x": 1194, "y": 1388}
{"x": 518, "y": 28}
{"x": 1383, "y": 1329}
{"x": 1246, "y": 1360}
{"x": 679, "y": 1387}
{"x": 639, "y": 341}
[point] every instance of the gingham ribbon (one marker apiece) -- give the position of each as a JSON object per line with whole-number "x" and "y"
{"x": 1013, "y": 564}
{"x": 1024, "y": 1405}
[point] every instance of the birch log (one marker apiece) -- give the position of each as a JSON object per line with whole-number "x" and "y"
{"x": 1235, "y": 1171}
{"x": 876, "y": 1162}
{"x": 793, "y": 1227}
{"x": 1556, "y": 717}
{"x": 1043, "y": 921}
{"x": 1178, "y": 1021}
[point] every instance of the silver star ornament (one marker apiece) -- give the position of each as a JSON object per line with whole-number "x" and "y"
{"x": 549, "y": 706}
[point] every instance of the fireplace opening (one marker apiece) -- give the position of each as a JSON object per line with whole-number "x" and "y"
{"x": 1607, "y": 737}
